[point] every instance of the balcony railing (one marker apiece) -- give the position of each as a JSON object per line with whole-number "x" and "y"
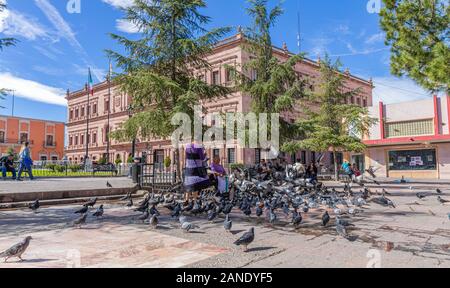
{"x": 15, "y": 141}
{"x": 49, "y": 144}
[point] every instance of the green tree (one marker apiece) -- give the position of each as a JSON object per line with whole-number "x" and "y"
{"x": 159, "y": 68}
{"x": 419, "y": 34}
{"x": 333, "y": 125}
{"x": 5, "y": 42}
{"x": 274, "y": 85}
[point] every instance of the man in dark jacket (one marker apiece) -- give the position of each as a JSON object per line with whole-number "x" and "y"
{"x": 7, "y": 165}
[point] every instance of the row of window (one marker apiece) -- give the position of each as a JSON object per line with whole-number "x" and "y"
{"x": 23, "y": 137}
{"x": 409, "y": 128}
{"x": 79, "y": 139}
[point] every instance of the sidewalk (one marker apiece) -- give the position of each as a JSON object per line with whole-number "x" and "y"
{"x": 64, "y": 188}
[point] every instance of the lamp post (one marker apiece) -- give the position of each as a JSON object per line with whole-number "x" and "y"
{"x": 133, "y": 143}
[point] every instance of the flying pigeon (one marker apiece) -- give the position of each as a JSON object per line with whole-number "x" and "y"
{"x": 325, "y": 218}
{"x": 98, "y": 212}
{"x": 35, "y": 205}
{"x": 246, "y": 239}
{"x": 227, "y": 223}
{"x": 154, "y": 221}
{"x": 82, "y": 210}
{"x": 16, "y": 250}
{"x": 80, "y": 221}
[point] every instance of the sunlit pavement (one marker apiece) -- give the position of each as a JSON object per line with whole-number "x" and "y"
{"x": 418, "y": 229}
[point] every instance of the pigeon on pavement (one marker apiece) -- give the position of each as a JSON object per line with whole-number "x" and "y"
{"x": 227, "y": 224}
{"x": 35, "y": 205}
{"x": 16, "y": 250}
{"x": 325, "y": 218}
{"x": 246, "y": 239}
{"x": 98, "y": 212}
{"x": 80, "y": 221}
{"x": 442, "y": 201}
{"x": 108, "y": 184}
{"x": 82, "y": 210}
{"x": 187, "y": 226}
{"x": 154, "y": 221}
{"x": 130, "y": 203}
{"x": 91, "y": 202}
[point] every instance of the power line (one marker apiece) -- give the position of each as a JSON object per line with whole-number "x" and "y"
{"x": 406, "y": 90}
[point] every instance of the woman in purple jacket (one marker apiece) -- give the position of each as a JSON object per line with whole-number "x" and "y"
{"x": 196, "y": 176}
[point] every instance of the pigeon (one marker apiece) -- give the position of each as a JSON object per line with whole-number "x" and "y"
{"x": 296, "y": 218}
{"x": 342, "y": 231}
{"x": 126, "y": 197}
{"x": 144, "y": 216}
{"x": 325, "y": 218}
{"x": 420, "y": 196}
{"x": 108, "y": 184}
{"x": 442, "y": 201}
{"x": 16, "y": 250}
{"x": 80, "y": 221}
{"x": 212, "y": 214}
{"x": 98, "y": 212}
{"x": 130, "y": 203}
{"x": 91, "y": 202}
{"x": 82, "y": 210}
{"x": 246, "y": 239}
{"x": 259, "y": 211}
{"x": 187, "y": 226}
{"x": 227, "y": 224}
{"x": 35, "y": 205}
{"x": 154, "y": 221}
{"x": 154, "y": 211}
{"x": 438, "y": 191}
{"x": 340, "y": 221}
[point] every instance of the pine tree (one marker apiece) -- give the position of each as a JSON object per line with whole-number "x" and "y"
{"x": 419, "y": 34}
{"x": 158, "y": 70}
{"x": 5, "y": 42}
{"x": 335, "y": 125}
{"x": 273, "y": 85}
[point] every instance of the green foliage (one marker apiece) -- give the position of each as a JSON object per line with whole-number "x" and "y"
{"x": 235, "y": 166}
{"x": 118, "y": 161}
{"x": 334, "y": 125}
{"x": 75, "y": 168}
{"x": 277, "y": 86}
{"x": 130, "y": 159}
{"x": 59, "y": 168}
{"x": 419, "y": 34}
{"x": 50, "y": 166}
{"x": 158, "y": 72}
{"x": 10, "y": 151}
{"x": 102, "y": 161}
{"x": 167, "y": 162}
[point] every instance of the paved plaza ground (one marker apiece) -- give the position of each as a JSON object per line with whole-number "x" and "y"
{"x": 418, "y": 229}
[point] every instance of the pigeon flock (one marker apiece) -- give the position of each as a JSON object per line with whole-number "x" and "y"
{"x": 269, "y": 197}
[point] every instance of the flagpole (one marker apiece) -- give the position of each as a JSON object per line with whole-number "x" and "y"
{"x": 109, "y": 109}
{"x": 87, "y": 119}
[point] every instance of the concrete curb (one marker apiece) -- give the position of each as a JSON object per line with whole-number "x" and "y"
{"x": 59, "y": 195}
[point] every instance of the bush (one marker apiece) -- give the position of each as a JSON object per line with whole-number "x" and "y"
{"x": 60, "y": 168}
{"x": 167, "y": 162}
{"x": 74, "y": 168}
{"x": 130, "y": 159}
{"x": 50, "y": 166}
{"x": 237, "y": 166}
{"x": 118, "y": 161}
{"x": 102, "y": 161}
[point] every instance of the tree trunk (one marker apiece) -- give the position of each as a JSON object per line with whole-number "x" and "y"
{"x": 336, "y": 169}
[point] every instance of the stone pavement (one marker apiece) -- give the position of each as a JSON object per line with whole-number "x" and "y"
{"x": 418, "y": 229}
{"x": 58, "y": 184}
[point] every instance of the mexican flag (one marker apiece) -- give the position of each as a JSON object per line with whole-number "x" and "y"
{"x": 91, "y": 83}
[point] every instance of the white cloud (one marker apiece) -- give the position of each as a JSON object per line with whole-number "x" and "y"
{"x": 375, "y": 38}
{"x": 126, "y": 26}
{"x": 13, "y": 23}
{"x": 32, "y": 90}
{"x": 66, "y": 32}
{"x": 395, "y": 90}
{"x": 119, "y": 3}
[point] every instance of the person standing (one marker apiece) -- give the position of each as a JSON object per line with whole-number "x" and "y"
{"x": 7, "y": 165}
{"x": 347, "y": 169}
{"x": 196, "y": 175}
{"x": 220, "y": 175}
{"x": 25, "y": 162}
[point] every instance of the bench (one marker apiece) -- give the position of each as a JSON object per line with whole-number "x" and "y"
{"x": 104, "y": 168}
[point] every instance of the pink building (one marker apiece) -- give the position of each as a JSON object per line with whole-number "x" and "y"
{"x": 228, "y": 52}
{"x": 411, "y": 139}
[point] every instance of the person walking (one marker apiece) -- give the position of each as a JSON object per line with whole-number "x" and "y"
{"x": 25, "y": 162}
{"x": 196, "y": 175}
{"x": 7, "y": 165}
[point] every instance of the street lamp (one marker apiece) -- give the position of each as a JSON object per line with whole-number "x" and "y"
{"x": 133, "y": 143}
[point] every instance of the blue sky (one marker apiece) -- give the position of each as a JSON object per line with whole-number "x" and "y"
{"x": 57, "y": 47}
